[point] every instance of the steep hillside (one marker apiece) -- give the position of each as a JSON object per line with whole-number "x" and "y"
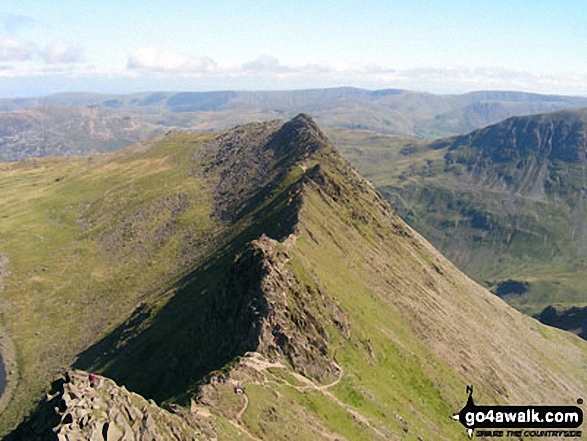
{"x": 65, "y": 131}
{"x": 506, "y": 203}
{"x": 259, "y": 261}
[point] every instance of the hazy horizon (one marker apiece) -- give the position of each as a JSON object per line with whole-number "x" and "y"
{"x": 268, "y": 90}
{"x": 66, "y": 46}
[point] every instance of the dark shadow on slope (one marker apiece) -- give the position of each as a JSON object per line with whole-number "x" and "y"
{"x": 511, "y": 288}
{"x": 573, "y": 319}
{"x": 38, "y": 426}
{"x": 213, "y": 317}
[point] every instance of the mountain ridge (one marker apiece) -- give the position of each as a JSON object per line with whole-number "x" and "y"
{"x": 359, "y": 328}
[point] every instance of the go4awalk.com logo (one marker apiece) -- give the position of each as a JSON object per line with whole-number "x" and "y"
{"x": 520, "y": 421}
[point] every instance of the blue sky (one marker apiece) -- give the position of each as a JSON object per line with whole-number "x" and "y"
{"x": 436, "y": 46}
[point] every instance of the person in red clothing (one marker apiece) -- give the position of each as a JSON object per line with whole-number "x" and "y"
{"x": 93, "y": 378}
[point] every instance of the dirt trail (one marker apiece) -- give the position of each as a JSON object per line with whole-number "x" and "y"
{"x": 204, "y": 412}
{"x": 239, "y": 416}
{"x": 243, "y": 429}
{"x": 259, "y": 363}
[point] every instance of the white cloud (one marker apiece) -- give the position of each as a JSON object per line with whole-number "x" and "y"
{"x": 272, "y": 72}
{"x": 149, "y": 68}
{"x": 61, "y": 52}
{"x": 15, "y": 49}
{"x": 266, "y": 64}
{"x": 151, "y": 59}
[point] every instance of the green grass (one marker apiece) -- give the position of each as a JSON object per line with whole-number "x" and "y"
{"x": 62, "y": 228}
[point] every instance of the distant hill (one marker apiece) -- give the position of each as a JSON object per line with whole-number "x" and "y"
{"x": 254, "y": 283}
{"x": 392, "y": 111}
{"x": 506, "y": 203}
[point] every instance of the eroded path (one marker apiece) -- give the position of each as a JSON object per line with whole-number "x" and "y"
{"x": 260, "y": 364}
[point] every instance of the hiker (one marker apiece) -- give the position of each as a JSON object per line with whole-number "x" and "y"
{"x": 93, "y": 379}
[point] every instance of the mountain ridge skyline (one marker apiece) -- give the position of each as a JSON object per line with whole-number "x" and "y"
{"x": 59, "y": 124}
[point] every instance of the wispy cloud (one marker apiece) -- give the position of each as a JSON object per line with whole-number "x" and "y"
{"x": 152, "y": 67}
{"x": 15, "y": 49}
{"x": 152, "y": 59}
{"x": 266, "y": 64}
{"x": 270, "y": 70}
{"x": 60, "y": 52}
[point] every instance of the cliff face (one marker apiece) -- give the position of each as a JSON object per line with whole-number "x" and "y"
{"x": 541, "y": 156}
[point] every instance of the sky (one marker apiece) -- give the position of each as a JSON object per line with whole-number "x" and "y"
{"x": 449, "y": 46}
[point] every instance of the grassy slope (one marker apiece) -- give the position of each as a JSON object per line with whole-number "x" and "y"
{"x": 454, "y": 317}
{"x": 79, "y": 234}
{"x": 94, "y": 242}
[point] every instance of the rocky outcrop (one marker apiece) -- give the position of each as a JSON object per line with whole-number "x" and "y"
{"x": 298, "y": 314}
{"x": 80, "y": 407}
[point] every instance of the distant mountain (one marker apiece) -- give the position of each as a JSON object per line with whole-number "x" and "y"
{"x": 506, "y": 203}
{"x": 392, "y": 111}
{"x": 66, "y": 131}
{"x": 255, "y": 279}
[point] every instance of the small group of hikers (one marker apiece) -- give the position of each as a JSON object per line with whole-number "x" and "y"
{"x": 238, "y": 389}
{"x": 217, "y": 378}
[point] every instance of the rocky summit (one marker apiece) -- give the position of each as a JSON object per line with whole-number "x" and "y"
{"x": 255, "y": 284}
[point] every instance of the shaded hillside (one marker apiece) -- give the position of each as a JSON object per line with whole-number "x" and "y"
{"x": 261, "y": 259}
{"x": 504, "y": 202}
{"x": 572, "y": 319}
{"x": 67, "y": 131}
